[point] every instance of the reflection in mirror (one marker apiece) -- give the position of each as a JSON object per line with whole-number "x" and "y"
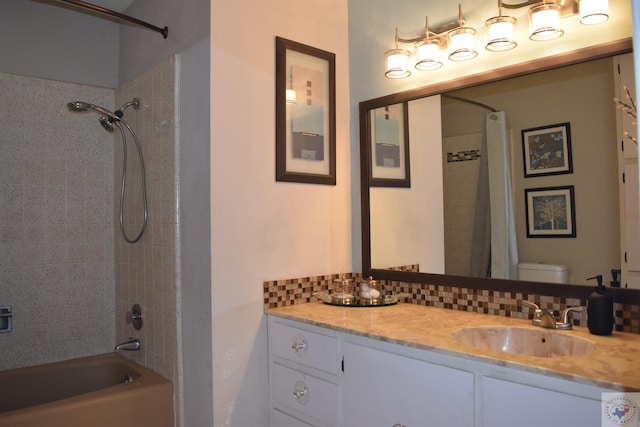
{"x": 389, "y": 147}
{"x": 537, "y": 100}
{"x": 580, "y": 95}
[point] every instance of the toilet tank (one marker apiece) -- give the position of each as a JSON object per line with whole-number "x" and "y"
{"x": 542, "y": 272}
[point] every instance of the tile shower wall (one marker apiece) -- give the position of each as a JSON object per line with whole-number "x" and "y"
{"x": 56, "y": 228}
{"x": 147, "y": 271}
{"x": 461, "y": 165}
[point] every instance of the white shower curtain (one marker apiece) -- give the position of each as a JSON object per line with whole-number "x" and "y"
{"x": 504, "y": 249}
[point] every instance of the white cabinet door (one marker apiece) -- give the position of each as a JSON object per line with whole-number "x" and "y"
{"x": 384, "y": 389}
{"x": 508, "y": 404}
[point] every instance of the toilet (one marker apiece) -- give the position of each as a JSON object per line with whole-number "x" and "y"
{"x": 542, "y": 272}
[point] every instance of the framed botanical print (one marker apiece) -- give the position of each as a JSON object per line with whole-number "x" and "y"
{"x": 547, "y": 150}
{"x": 550, "y": 212}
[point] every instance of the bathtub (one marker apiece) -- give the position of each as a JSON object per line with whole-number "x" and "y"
{"x": 90, "y": 391}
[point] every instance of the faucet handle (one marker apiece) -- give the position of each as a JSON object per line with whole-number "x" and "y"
{"x": 564, "y": 318}
{"x": 541, "y": 317}
{"x": 530, "y": 304}
{"x": 537, "y": 310}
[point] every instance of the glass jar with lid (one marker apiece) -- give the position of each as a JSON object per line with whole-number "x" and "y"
{"x": 343, "y": 292}
{"x": 370, "y": 291}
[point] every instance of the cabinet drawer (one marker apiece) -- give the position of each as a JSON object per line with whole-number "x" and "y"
{"x": 309, "y": 348}
{"x": 307, "y": 394}
{"x": 280, "y": 419}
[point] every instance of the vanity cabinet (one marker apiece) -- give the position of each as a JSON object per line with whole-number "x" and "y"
{"x": 384, "y": 389}
{"x": 322, "y": 377}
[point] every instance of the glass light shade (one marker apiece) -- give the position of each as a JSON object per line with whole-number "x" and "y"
{"x": 500, "y": 30}
{"x": 290, "y": 97}
{"x": 428, "y": 55}
{"x": 462, "y": 43}
{"x": 545, "y": 22}
{"x": 594, "y": 11}
{"x": 397, "y": 63}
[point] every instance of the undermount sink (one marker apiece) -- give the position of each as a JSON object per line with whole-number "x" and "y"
{"x": 523, "y": 341}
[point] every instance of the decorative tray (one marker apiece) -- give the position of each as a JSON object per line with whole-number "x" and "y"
{"x": 351, "y": 301}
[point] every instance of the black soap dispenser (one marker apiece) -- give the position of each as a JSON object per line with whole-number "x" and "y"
{"x": 615, "y": 276}
{"x": 600, "y": 310}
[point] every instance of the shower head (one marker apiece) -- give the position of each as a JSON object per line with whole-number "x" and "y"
{"x": 108, "y": 117}
{"x": 107, "y": 124}
{"x": 83, "y": 107}
{"x": 78, "y": 106}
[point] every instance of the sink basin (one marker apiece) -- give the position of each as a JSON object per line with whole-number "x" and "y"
{"x": 523, "y": 341}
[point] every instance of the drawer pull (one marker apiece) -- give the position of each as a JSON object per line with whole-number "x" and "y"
{"x": 301, "y": 392}
{"x": 299, "y": 345}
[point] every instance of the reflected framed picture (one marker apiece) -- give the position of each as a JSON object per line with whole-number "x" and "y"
{"x": 389, "y": 139}
{"x": 550, "y": 212}
{"x": 547, "y": 150}
{"x": 305, "y": 114}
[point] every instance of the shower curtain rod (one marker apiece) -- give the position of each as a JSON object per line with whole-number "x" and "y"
{"x": 468, "y": 101}
{"x": 164, "y": 31}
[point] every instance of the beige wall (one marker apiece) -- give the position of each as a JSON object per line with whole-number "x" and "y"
{"x": 262, "y": 229}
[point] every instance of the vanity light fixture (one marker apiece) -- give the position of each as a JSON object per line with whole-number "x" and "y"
{"x": 462, "y": 40}
{"x": 397, "y": 62}
{"x": 594, "y": 11}
{"x": 500, "y": 31}
{"x": 428, "y": 51}
{"x": 545, "y": 20}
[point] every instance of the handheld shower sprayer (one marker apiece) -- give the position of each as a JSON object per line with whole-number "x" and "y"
{"x": 108, "y": 120}
{"x": 108, "y": 117}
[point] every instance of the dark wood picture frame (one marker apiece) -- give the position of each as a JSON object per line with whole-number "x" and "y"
{"x": 546, "y": 150}
{"x": 388, "y": 135}
{"x": 550, "y": 211}
{"x": 305, "y": 114}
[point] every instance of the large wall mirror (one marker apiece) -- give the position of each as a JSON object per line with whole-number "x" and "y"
{"x": 412, "y": 234}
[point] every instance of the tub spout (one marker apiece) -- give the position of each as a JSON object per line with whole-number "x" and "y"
{"x": 131, "y": 345}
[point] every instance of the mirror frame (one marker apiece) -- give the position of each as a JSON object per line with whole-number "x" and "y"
{"x": 620, "y": 295}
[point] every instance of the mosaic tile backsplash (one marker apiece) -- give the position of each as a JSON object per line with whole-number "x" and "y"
{"x": 280, "y": 293}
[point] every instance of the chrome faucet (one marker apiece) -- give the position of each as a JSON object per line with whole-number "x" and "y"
{"x": 131, "y": 345}
{"x": 545, "y": 318}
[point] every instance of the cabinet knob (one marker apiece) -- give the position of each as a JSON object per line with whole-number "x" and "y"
{"x": 398, "y": 425}
{"x": 301, "y": 392}
{"x": 299, "y": 345}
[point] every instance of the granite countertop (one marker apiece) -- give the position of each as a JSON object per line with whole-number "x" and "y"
{"x": 614, "y": 363}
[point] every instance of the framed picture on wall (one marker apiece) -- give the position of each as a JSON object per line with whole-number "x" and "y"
{"x": 547, "y": 150}
{"x": 550, "y": 212}
{"x": 305, "y": 114}
{"x": 389, "y": 139}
